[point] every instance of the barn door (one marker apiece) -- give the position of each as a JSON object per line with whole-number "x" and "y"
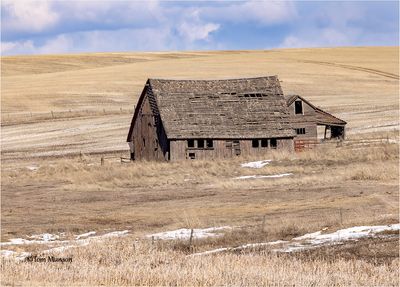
{"x": 233, "y": 146}
{"x": 236, "y": 147}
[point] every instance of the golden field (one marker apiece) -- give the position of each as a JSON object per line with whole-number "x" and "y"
{"x": 62, "y": 113}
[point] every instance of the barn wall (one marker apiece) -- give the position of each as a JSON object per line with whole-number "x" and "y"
{"x": 149, "y": 140}
{"x": 307, "y": 120}
{"x": 224, "y": 149}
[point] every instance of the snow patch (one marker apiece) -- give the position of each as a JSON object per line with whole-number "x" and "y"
{"x": 315, "y": 240}
{"x": 21, "y": 241}
{"x": 184, "y": 233}
{"x": 262, "y": 176}
{"x": 85, "y": 234}
{"x": 239, "y": 248}
{"x": 7, "y": 253}
{"x": 32, "y": 167}
{"x": 256, "y": 164}
{"x": 45, "y": 237}
{"x": 113, "y": 234}
{"x": 50, "y": 239}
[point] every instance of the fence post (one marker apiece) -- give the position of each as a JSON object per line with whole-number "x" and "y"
{"x": 102, "y": 160}
{"x": 263, "y": 223}
{"x": 190, "y": 239}
{"x": 341, "y": 216}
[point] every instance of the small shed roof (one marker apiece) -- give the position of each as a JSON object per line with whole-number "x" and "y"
{"x": 234, "y": 108}
{"x": 322, "y": 117}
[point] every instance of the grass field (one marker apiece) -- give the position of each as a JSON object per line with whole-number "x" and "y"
{"x": 62, "y": 113}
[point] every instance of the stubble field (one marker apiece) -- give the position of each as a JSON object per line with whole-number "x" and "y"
{"x": 62, "y": 113}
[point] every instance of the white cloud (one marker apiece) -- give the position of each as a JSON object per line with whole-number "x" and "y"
{"x": 116, "y": 13}
{"x": 267, "y": 12}
{"x": 146, "y": 39}
{"x": 327, "y": 37}
{"x": 61, "y": 43}
{"x": 28, "y": 16}
{"x": 17, "y": 47}
{"x": 193, "y": 32}
{"x": 262, "y": 12}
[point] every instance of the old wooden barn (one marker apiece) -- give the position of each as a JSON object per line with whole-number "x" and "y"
{"x": 209, "y": 119}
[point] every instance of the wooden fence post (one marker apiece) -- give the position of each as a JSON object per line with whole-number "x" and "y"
{"x": 263, "y": 223}
{"x": 190, "y": 239}
{"x": 102, "y": 160}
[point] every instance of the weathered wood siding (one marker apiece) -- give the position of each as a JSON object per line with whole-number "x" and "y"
{"x": 148, "y": 136}
{"x": 307, "y": 120}
{"x": 224, "y": 149}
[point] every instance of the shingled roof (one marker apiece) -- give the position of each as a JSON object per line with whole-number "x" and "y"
{"x": 231, "y": 109}
{"x": 322, "y": 117}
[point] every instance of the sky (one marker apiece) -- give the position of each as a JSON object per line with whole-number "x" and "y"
{"x": 54, "y": 27}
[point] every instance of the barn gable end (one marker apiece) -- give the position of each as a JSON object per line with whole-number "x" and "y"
{"x": 146, "y": 137}
{"x": 306, "y": 122}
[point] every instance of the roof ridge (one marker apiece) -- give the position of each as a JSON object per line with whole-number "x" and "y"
{"x": 207, "y": 80}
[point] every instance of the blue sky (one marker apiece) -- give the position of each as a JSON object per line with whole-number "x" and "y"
{"x": 51, "y": 27}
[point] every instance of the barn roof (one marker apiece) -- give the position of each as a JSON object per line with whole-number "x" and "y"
{"x": 234, "y": 108}
{"x": 322, "y": 117}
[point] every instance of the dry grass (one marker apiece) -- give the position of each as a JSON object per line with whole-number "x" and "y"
{"x": 125, "y": 262}
{"x": 201, "y": 193}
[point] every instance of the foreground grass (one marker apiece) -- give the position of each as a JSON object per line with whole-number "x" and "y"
{"x": 127, "y": 262}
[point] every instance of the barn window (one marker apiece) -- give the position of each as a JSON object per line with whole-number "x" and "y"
{"x": 192, "y": 155}
{"x": 254, "y": 143}
{"x": 190, "y": 143}
{"x": 209, "y": 143}
{"x": 253, "y": 95}
{"x": 200, "y": 143}
{"x": 301, "y": 131}
{"x": 264, "y": 143}
{"x": 298, "y": 107}
{"x": 273, "y": 143}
